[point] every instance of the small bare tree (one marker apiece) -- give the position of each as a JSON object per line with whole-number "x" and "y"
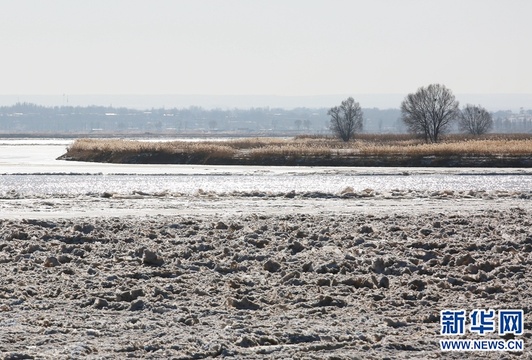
{"x": 346, "y": 119}
{"x": 475, "y": 120}
{"x": 430, "y": 111}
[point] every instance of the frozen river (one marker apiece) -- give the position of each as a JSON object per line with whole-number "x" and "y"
{"x": 28, "y": 167}
{"x": 35, "y": 185}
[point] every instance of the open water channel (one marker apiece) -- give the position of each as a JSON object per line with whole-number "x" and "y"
{"x": 29, "y": 168}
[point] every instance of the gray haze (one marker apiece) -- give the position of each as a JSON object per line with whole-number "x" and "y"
{"x": 492, "y": 102}
{"x": 36, "y": 120}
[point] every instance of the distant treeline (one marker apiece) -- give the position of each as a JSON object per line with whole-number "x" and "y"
{"x": 31, "y": 118}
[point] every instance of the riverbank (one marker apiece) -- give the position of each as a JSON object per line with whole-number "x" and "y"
{"x": 375, "y": 150}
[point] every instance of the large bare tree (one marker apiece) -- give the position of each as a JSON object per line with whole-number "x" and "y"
{"x": 475, "y": 120}
{"x": 430, "y": 111}
{"x": 346, "y": 119}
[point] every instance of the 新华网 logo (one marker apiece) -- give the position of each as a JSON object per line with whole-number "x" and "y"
{"x": 481, "y": 321}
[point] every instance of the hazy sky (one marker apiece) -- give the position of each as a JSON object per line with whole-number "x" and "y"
{"x": 273, "y": 47}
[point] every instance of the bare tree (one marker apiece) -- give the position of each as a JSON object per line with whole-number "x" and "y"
{"x": 475, "y": 120}
{"x": 430, "y": 111}
{"x": 346, "y": 119}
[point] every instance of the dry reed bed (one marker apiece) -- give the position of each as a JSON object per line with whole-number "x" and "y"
{"x": 374, "y": 145}
{"x": 132, "y": 147}
{"x": 467, "y": 148}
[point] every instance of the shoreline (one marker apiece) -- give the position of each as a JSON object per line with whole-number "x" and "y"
{"x": 494, "y": 161}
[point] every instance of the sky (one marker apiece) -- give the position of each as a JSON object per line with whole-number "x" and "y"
{"x": 264, "y": 47}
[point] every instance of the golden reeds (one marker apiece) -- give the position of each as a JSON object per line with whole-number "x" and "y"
{"x": 137, "y": 147}
{"x": 301, "y": 147}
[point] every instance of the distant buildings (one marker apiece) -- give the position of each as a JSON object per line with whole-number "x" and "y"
{"x": 26, "y": 118}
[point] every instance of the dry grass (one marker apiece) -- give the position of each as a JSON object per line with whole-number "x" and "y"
{"x": 312, "y": 147}
{"x": 213, "y": 149}
{"x": 468, "y": 147}
{"x": 291, "y": 150}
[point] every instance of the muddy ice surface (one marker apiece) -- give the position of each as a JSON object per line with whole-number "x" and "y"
{"x": 257, "y": 286}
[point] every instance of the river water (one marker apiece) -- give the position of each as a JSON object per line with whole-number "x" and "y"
{"x": 28, "y": 167}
